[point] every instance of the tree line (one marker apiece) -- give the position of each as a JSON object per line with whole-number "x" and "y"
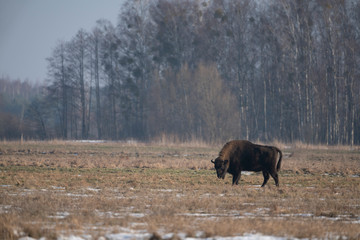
{"x": 211, "y": 70}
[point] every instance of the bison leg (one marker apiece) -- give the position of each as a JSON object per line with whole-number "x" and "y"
{"x": 266, "y": 178}
{"x": 236, "y": 178}
{"x": 275, "y": 176}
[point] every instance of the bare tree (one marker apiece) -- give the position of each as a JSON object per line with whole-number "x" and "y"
{"x": 95, "y": 47}
{"x": 59, "y": 85}
{"x": 170, "y": 67}
{"x": 78, "y": 60}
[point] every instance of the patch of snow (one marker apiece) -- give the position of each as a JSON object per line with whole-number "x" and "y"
{"x": 93, "y": 189}
{"x": 180, "y": 195}
{"x": 78, "y": 195}
{"x": 198, "y": 236}
{"x": 109, "y": 214}
{"x": 296, "y": 215}
{"x": 201, "y": 215}
{"x": 248, "y": 214}
{"x": 356, "y": 222}
{"x": 137, "y": 215}
{"x": 5, "y": 185}
{"x": 219, "y": 215}
{"x": 251, "y": 236}
{"x": 27, "y": 238}
{"x": 249, "y": 204}
{"x": 71, "y": 237}
{"x": 89, "y": 141}
{"x": 5, "y": 208}
{"x": 60, "y": 215}
{"x": 165, "y": 190}
{"x": 138, "y": 235}
{"x": 130, "y": 234}
{"x": 137, "y": 224}
{"x": 262, "y": 210}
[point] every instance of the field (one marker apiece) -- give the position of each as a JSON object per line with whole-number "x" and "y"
{"x": 109, "y": 190}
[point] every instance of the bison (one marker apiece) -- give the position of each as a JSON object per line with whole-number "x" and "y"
{"x": 242, "y": 155}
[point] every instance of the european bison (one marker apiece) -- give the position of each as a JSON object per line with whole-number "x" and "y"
{"x": 242, "y": 155}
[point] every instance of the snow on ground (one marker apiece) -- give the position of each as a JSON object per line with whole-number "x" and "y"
{"x": 142, "y": 236}
{"x": 130, "y": 234}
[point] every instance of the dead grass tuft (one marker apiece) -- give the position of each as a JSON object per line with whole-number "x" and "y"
{"x": 8, "y": 228}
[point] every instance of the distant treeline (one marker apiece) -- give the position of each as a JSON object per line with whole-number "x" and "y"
{"x": 200, "y": 69}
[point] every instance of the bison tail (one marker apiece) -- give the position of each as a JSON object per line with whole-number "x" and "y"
{"x": 278, "y": 166}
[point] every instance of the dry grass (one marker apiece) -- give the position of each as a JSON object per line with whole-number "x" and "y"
{"x": 62, "y": 188}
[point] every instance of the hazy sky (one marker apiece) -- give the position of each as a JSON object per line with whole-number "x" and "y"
{"x": 30, "y": 29}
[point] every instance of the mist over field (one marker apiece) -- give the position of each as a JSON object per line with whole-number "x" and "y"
{"x": 207, "y": 70}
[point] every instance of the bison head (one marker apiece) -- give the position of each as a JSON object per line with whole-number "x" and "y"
{"x": 221, "y": 167}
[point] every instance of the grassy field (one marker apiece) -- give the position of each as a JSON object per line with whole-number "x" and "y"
{"x": 92, "y": 190}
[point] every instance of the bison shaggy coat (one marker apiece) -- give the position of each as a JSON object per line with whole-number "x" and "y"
{"x": 242, "y": 155}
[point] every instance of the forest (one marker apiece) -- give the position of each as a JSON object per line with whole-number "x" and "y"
{"x": 214, "y": 70}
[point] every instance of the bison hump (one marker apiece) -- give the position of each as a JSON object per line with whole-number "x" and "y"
{"x": 231, "y": 147}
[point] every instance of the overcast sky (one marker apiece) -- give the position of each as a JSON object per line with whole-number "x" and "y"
{"x": 30, "y": 29}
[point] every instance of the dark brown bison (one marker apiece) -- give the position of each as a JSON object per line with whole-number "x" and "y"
{"x": 242, "y": 155}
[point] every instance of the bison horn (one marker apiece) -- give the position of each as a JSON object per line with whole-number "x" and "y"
{"x": 212, "y": 160}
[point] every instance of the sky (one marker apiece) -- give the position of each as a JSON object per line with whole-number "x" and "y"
{"x": 30, "y": 30}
